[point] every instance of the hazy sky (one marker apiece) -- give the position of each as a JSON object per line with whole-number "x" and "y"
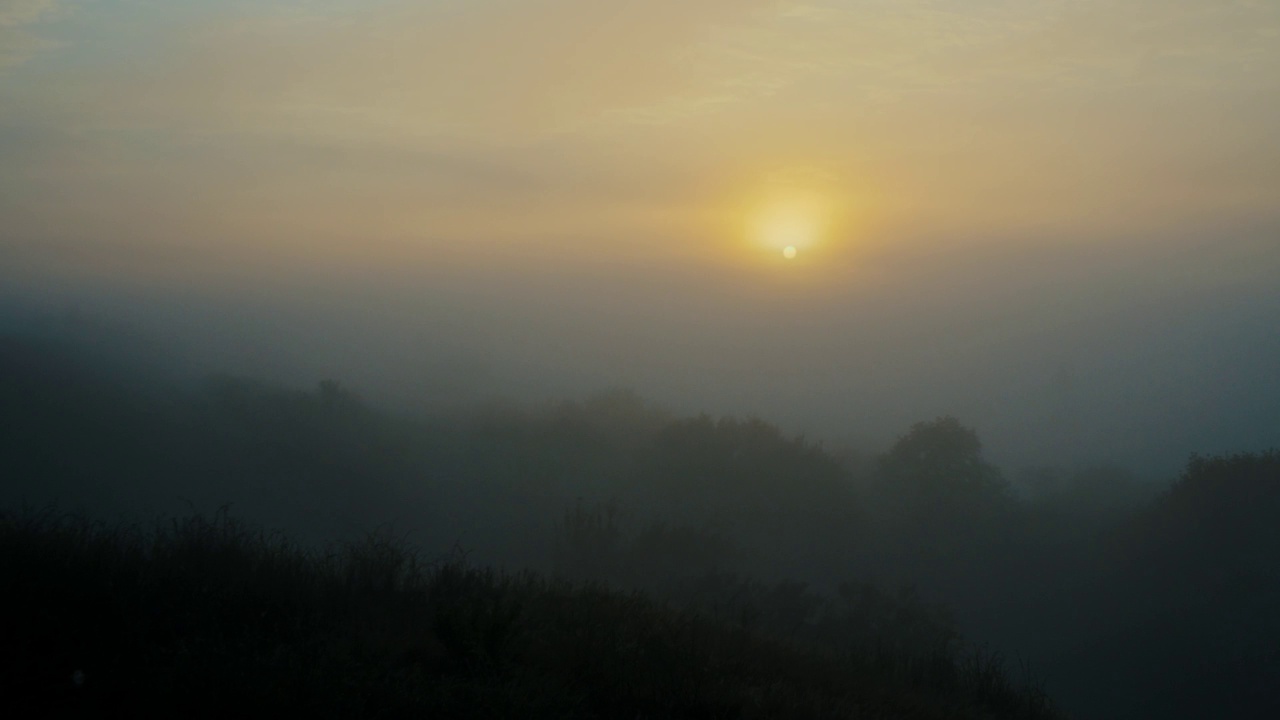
{"x": 1033, "y": 213}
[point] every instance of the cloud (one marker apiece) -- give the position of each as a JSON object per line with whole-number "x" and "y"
{"x": 413, "y": 71}
{"x": 900, "y": 47}
{"x": 15, "y": 13}
{"x": 580, "y": 116}
{"x": 17, "y": 41}
{"x": 512, "y": 73}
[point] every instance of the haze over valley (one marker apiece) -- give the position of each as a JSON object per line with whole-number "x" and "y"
{"x": 817, "y": 313}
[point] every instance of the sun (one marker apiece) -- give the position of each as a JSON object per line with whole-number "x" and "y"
{"x": 789, "y": 222}
{"x": 799, "y": 215}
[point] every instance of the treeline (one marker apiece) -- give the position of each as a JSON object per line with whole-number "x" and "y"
{"x": 1130, "y": 602}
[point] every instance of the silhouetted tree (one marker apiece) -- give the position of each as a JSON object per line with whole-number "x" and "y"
{"x": 942, "y": 458}
{"x": 943, "y": 509}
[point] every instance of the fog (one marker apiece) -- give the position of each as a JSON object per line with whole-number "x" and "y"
{"x": 1084, "y": 355}
{"x": 957, "y": 325}
{"x": 566, "y": 419}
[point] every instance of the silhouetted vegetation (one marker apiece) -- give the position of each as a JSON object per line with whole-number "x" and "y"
{"x": 207, "y": 618}
{"x": 872, "y": 583}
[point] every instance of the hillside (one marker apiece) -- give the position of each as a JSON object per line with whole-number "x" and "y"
{"x": 206, "y": 617}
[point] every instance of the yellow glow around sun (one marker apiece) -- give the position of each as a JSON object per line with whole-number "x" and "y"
{"x": 795, "y": 214}
{"x": 789, "y": 221}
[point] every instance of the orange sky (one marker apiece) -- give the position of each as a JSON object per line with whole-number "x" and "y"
{"x": 566, "y": 130}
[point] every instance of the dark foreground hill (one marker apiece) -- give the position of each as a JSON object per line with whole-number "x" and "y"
{"x": 209, "y": 618}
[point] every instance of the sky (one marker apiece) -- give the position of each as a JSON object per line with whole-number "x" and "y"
{"x": 1056, "y": 219}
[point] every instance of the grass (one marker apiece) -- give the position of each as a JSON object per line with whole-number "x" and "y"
{"x": 207, "y": 617}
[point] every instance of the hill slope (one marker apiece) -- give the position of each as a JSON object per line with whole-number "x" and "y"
{"x": 208, "y": 618}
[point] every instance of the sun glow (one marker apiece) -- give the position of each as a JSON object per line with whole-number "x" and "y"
{"x": 790, "y": 223}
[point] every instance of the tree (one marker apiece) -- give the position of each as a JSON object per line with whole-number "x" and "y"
{"x": 946, "y": 513}
{"x": 942, "y": 459}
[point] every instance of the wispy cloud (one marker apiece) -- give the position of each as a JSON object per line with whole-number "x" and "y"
{"x": 18, "y": 40}
{"x": 410, "y": 70}
{"x": 24, "y": 12}
{"x": 415, "y": 114}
